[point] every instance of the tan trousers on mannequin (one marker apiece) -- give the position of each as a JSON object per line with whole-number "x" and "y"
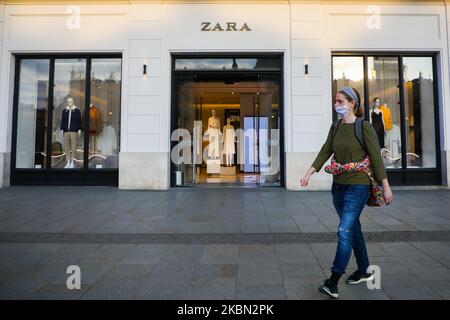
{"x": 70, "y": 144}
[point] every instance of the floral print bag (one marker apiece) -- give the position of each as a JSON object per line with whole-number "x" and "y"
{"x": 376, "y": 198}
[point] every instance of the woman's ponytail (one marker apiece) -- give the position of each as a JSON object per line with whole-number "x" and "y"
{"x": 359, "y": 109}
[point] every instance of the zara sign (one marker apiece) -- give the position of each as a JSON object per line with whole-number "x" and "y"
{"x": 230, "y": 26}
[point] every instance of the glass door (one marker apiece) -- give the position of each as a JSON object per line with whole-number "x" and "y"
{"x": 225, "y": 130}
{"x": 261, "y": 142}
{"x": 197, "y": 138}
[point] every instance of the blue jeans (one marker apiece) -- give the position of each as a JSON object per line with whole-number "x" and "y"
{"x": 349, "y": 201}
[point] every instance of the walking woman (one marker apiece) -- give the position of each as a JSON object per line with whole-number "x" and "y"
{"x": 351, "y": 189}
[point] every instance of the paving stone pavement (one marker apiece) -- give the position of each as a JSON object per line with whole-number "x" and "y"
{"x": 212, "y": 244}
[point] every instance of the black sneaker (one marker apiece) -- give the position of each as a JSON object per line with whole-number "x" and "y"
{"x": 329, "y": 290}
{"x": 358, "y": 277}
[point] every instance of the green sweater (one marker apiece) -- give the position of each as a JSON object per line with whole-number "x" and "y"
{"x": 347, "y": 148}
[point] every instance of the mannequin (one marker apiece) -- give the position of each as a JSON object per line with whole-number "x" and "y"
{"x": 228, "y": 143}
{"x": 386, "y": 117}
{"x": 95, "y": 127}
{"x": 378, "y": 122}
{"x": 71, "y": 127}
{"x": 388, "y": 126}
{"x": 214, "y": 135}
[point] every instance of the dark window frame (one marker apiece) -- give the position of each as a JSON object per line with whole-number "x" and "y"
{"x": 404, "y": 175}
{"x": 58, "y": 176}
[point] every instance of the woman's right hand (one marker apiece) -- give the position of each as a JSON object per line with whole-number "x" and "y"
{"x": 305, "y": 180}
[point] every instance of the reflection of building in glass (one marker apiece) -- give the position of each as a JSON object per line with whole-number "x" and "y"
{"x": 420, "y": 131}
{"x": 105, "y": 104}
{"x": 383, "y": 84}
{"x": 105, "y": 96}
{"x": 75, "y": 89}
{"x": 227, "y": 64}
{"x": 346, "y": 82}
{"x": 41, "y": 122}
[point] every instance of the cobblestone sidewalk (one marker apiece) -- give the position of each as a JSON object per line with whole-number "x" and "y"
{"x": 212, "y": 244}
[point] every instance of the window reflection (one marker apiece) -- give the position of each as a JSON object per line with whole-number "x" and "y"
{"x": 384, "y": 97}
{"x": 32, "y": 114}
{"x": 348, "y": 72}
{"x": 419, "y": 109}
{"x": 68, "y": 107}
{"x": 104, "y": 113}
{"x": 227, "y": 64}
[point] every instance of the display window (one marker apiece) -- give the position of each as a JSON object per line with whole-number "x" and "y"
{"x": 400, "y": 102}
{"x": 66, "y": 119}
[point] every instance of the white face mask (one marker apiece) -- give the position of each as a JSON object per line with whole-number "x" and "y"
{"x": 341, "y": 109}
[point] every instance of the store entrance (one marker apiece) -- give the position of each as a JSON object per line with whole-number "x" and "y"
{"x": 228, "y": 129}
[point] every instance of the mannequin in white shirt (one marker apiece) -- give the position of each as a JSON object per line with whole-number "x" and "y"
{"x": 229, "y": 137}
{"x": 214, "y": 135}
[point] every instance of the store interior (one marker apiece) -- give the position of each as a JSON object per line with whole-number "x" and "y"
{"x": 234, "y": 128}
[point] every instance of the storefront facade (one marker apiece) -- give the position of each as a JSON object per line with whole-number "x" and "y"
{"x": 117, "y": 92}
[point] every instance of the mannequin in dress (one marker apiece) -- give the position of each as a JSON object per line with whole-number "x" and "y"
{"x": 214, "y": 135}
{"x": 378, "y": 121}
{"x": 229, "y": 137}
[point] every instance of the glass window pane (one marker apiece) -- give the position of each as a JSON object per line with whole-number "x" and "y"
{"x": 348, "y": 72}
{"x": 227, "y": 64}
{"x": 104, "y": 113}
{"x": 384, "y": 97}
{"x": 32, "y": 114}
{"x": 68, "y": 109}
{"x": 419, "y": 110}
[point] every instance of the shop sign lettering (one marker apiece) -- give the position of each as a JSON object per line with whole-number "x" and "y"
{"x": 228, "y": 26}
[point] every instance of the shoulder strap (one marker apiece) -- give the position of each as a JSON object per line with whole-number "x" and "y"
{"x": 359, "y": 132}
{"x": 335, "y": 126}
